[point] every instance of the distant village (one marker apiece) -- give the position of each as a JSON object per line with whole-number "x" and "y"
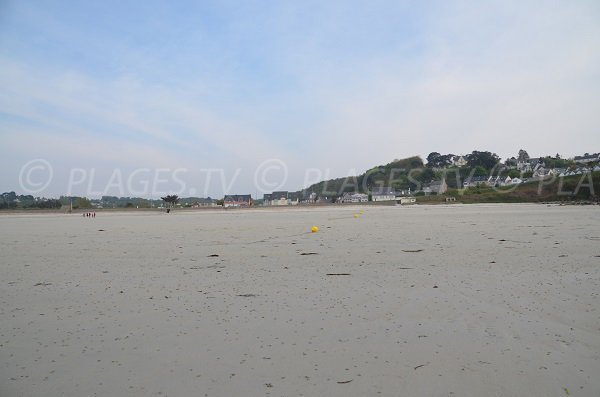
{"x": 440, "y": 174}
{"x": 514, "y": 171}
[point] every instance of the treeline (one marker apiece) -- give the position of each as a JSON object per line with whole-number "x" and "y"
{"x": 124, "y": 202}
{"x": 76, "y": 202}
{"x": 11, "y": 200}
{"x": 139, "y": 202}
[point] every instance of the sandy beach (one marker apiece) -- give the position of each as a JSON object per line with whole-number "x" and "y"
{"x": 457, "y": 300}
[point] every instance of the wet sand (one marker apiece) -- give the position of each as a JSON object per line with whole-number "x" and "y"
{"x": 480, "y": 300}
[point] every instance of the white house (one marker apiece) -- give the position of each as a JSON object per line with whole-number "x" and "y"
{"x": 237, "y": 200}
{"x": 557, "y": 171}
{"x": 279, "y": 198}
{"x": 309, "y": 198}
{"x": 383, "y": 194}
{"x": 587, "y": 158}
{"x": 207, "y": 202}
{"x": 476, "y": 181}
{"x": 494, "y": 181}
{"x": 524, "y": 166}
{"x": 459, "y": 161}
{"x": 354, "y": 198}
{"x": 407, "y": 200}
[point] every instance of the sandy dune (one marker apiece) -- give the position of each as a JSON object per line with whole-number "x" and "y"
{"x": 482, "y": 300}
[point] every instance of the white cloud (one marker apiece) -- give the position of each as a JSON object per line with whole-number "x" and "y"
{"x": 520, "y": 83}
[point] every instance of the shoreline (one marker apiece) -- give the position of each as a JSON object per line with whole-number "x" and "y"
{"x": 33, "y": 211}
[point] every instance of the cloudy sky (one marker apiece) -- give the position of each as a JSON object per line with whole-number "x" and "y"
{"x": 214, "y": 96}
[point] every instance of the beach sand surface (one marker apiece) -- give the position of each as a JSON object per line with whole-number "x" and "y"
{"x": 449, "y": 300}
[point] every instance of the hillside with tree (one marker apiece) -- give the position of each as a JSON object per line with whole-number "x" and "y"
{"x": 412, "y": 174}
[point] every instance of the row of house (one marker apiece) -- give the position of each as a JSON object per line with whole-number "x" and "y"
{"x": 378, "y": 194}
{"x": 230, "y": 200}
{"x": 237, "y": 200}
{"x": 281, "y": 198}
{"x": 204, "y": 202}
{"x": 475, "y": 181}
{"x": 578, "y": 171}
{"x": 587, "y": 158}
{"x": 526, "y": 164}
{"x": 540, "y": 173}
{"x": 353, "y": 198}
{"x": 294, "y": 198}
{"x": 284, "y": 198}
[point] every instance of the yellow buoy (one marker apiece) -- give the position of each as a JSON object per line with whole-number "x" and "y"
{"x": 314, "y": 229}
{"x": 356, "y": 215}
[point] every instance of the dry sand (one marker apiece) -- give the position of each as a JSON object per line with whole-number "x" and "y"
{"x": 501, "y": 301}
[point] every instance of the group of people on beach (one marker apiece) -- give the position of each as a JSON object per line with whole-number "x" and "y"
{"x": 89, "y": 214}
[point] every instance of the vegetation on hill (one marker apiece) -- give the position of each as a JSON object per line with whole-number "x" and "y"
{"x": 412, "y": 174}
{"x": 399, "y": 174}
{"x": 567, "y": 189}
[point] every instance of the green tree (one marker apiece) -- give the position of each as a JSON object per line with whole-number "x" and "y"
{"x": 523, "y": 156}
{"x": 81, "y": 202}
{"x": 170, "y": 200}
{"x": 439, "y": 160}
{"x": 480, "y": 171}
{"x": 486, "y": 160}
{"x": 514, "y": 173}
{"x": 432, "y": 159}
{"x": 426, "y": 175}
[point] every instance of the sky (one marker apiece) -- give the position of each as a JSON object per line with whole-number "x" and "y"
{"x": 206, "y": 98}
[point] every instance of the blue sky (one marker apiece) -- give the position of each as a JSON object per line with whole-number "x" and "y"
{"x": 337, "y": 86}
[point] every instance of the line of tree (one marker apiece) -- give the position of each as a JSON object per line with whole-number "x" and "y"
{"x": 487, "y": 160}
{"x": 76, "y": 201}
{"x": 437, "y": 160}
{"x": 10, "y": 200}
